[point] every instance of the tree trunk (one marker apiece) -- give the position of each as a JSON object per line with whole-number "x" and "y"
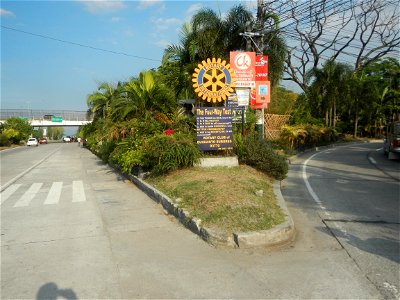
{"x": 355, "y": 125}
{"x": 326, "y": 118}
{"x": 334, "y": 114}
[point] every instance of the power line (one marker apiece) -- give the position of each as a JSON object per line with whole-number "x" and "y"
{"x": 79, "y": 44}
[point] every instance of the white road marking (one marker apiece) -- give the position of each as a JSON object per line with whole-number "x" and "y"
{"x": 53, "y": 197}
{"x": 372, "y": 160}
{"x": 8, "y": 192}
{"x": 27, "y": 197}
{"x": 3, "y": 187}
{"x": 309, "y": 188}
{"x": 78, "y": 191}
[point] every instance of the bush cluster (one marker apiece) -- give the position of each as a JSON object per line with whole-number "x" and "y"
{"x": 14, "y": 130}
{"x": 260, "y": 154}
{"x": 301, "y": 137}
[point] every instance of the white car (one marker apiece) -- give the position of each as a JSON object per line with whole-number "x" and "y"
{"x": 32, "y": 142}
{"x": 66, "y": 139}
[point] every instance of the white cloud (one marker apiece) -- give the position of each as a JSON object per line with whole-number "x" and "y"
{"x": 194, "y": 8}
{"x": 6, "y": 13}
{"x": 115, "y": 19}
{"x": 143, "y": 4}
{"x": 163, "y": 44}
{"x": 164, "y": 24}
{"x": 102, "y": 6}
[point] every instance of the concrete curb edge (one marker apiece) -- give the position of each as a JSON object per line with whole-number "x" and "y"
{"x": 279, "y": 235}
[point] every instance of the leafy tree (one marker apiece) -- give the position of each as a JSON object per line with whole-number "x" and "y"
{"x": 17, "y": 129}
{"x": 55, "y": 133}
{"x": 143, "y": 97}
{"x": 329, "y": 88}
{"x": 100, "y": 101}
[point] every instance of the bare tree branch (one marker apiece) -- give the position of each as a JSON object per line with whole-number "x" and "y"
{"x": 357, "y": 32}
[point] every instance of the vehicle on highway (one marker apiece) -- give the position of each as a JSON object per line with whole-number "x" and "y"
{"x": 66, "y": 139}
{"x": 32, "y": 142}
{"x": 43, "y": 140}
{"x": 391, "y": 144}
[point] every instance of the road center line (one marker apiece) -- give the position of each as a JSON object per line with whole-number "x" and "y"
{"x": 3, "y": 187}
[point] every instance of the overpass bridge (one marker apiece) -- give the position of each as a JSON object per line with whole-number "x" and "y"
{"x": 47, "y": 118}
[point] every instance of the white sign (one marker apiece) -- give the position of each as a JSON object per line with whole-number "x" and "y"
{"x": 243, "y": 96}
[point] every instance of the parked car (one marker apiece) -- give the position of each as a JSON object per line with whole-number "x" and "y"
{"x": 66, "y": 139}
{"x": 391, "y": 144}
{"x": 43, "y": 140}
{"x": 32, "y": 142}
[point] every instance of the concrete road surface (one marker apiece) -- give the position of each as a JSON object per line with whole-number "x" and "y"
{"x": 72, "y": 228}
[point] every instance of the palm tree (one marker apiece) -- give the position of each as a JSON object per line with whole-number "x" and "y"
{"x": 100, "y": 101}
{"x": 179, "y": 62}
{"x": 210, "y": 35}
{"x": 329, "y": 88}
{"x": 143, "y": 97}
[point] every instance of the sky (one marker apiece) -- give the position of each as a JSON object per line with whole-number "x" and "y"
{"x": 55, "y": 53}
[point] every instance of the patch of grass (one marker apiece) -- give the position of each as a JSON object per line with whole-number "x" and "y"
{"x": 224, "y": 198}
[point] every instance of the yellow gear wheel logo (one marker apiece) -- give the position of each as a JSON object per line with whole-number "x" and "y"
{"x": 213, "y": 80}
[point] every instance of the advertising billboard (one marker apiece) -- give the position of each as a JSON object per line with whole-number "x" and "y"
{"x": 243, "y": 66}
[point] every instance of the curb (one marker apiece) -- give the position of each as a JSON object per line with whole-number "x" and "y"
{"x": 281, "y": 234}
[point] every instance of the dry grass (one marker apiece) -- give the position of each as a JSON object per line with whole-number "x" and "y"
{"x": 224, "y": 198}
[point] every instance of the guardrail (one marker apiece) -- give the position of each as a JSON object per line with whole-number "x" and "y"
{"x": 32, "y": 114}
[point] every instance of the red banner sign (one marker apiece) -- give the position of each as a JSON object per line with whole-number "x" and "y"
{"x": 261, "y": 68}
{"x": 243, "y": 65}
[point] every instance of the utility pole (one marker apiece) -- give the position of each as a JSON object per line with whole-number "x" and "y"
{"x": 260, "y": 47}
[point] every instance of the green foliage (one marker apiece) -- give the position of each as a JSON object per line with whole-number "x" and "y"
{"x": 306, "y": 136}
{"x": 282, "y": 101}
{"x": 4, "y": 140}
{"x": 165, "y": 153}
{"x": 16, "y": 130}
{"x": 127, "y": 158}
{"x": 38, "y": 133}
{"x": 259, "y": 153}
{"x": 105, "y": 149}
{"x": 55, "y": 133}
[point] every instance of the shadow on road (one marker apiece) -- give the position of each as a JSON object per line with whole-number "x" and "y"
{"x": 386, "y": 247}
{"x": 50, "y": 291}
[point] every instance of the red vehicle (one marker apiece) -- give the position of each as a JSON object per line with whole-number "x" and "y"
{"x": 43, "y": 140}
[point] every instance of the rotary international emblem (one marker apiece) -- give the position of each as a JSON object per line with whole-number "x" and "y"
{"x": 213, "y": 80}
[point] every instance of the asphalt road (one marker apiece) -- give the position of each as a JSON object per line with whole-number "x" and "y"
{"x": 355, "y": 190}
{"x": 74, "y": 229}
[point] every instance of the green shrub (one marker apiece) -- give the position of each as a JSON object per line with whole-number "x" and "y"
{"x": 164, "y": 153}
{"x": 4, "y": 140}
{"x": 106, "y": 148}
{"x": 127, "y": 159}
{"x": 307, "y": 136}
{"x": 259, "y": 154}
{"x": 128, "y": 154}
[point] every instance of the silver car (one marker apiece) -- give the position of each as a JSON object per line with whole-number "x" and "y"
{"x": 32, "y": 142}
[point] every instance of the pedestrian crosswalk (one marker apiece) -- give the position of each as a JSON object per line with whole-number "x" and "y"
{"x": 23, "y": 195}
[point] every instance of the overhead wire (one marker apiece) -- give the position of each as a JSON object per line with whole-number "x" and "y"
{"x": 78, "y": 44}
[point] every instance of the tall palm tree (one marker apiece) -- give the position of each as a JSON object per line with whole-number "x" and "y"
{"x": 179, "y": 62}
{"x": 100, "y": 101}
{"x": 211, "y": 35}
{"x": 329, "y": 88}
{"x": 143, "y": 97}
